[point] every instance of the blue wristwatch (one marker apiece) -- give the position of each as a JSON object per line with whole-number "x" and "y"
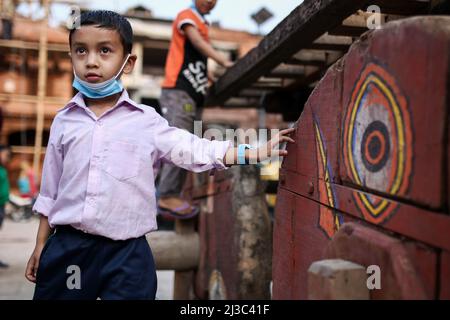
{"x": 241, "y": 153}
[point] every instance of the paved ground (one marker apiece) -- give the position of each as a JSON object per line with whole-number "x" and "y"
{"x": 17, "y": 241}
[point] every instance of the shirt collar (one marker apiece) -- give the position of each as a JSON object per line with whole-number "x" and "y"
{"x": 78, "y": 101}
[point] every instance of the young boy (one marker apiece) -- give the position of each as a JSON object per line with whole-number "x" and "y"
{"x": 184, "y": 87}
{"x": 97, "y": 188}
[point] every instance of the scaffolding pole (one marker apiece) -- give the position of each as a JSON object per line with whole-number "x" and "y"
{"x": 42, "y": 87}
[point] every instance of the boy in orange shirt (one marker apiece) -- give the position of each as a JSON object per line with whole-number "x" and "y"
{"x": 183, "y": 93}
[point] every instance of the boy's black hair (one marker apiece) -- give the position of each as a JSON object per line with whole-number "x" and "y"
{"x": 108, "y": 20}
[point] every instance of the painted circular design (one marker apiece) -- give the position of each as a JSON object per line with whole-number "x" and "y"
{"x": 377, "y": 141}
{"x": 375, "y": 146}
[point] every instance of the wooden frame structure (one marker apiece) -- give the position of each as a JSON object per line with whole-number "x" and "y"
{"x": 297, "y": 53}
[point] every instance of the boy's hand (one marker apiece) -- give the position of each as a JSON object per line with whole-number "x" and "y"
{"x": 264, "y": 152}
{"x": 227, "y": 64}
{"x": 271, "y": 148}
{"x": 33, "y": 263}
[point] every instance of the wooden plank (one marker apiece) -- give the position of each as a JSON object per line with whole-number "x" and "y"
{"x": 331, "y": 43}
{"x": 299, "y": 240}
{"x": 402, "y": 7}
{"x": 242, "y": 103}
{"x": 295, "y": 61}
{"x": 411, "y": 221}
{"x": 287, "y": 71}
{"x": 406, "y": 270}
{"x": 337, "y": 279}
{"x": 350, "y": 31}
{"x": 235, "y": 234}
{"x": 252, "y": 93}
{"x": 313, "y": 75}
{"x": 444, "y": 292}
{"x": 306, "y": 23}
{"x": 283, "y": 265}
{"x": 392, "y": 144}
{"x": 20, "y": 44}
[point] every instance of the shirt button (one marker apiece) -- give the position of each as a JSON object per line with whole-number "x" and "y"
{"x": 100, "y": 123}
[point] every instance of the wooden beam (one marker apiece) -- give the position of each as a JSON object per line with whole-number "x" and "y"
{"x": 331, "y": 43}
{"x": 242, "y": 103}
{"x": 356, "y": 24}
{"x": 26, "y": 149}
{"x": 173, "y": 251}
{"x": 349, "y": 31}
{"x": 23, "y": 98}
{"x": 251, "y": 93}
{"x": 287, "y": 71}
{"x": 19, "y": 44}
{"x": 295, "y": 61}
{"x": 402, "y": 7}
{"x": 42, "y": 86}
{"x": 305, "y": 24}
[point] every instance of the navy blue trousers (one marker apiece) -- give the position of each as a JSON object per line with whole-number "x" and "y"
{"x": 77, "y": 265}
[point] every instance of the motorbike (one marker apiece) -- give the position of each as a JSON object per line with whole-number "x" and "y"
{"x": 19, "y": 208}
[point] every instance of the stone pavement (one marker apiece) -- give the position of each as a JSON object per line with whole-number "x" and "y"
{"x": 17, "y": 241}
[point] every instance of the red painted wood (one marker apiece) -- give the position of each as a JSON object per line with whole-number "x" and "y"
{"x": 417, "y": 74}
{"x": 416, "y": 223}
{"x": 445, "y": 276}
{"x": 372, "y": 142}
{"x": 400, "y": 278}
{"x": 283, "y": 263}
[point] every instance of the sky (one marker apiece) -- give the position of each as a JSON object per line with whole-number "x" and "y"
{"x": 232, "y": 14}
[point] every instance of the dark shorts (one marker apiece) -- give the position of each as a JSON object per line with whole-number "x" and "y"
{"x": 77, "y": 265}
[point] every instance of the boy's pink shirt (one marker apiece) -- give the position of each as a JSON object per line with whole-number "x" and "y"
{"x": 99, "y": 173}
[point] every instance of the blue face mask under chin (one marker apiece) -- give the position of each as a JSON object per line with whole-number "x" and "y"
{"x": 102, "y": 89}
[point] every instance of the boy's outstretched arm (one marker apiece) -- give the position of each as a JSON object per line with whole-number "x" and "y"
{"x": 204, "y": 47}
{"x": 264, "y": 152}
{"x": 42, "y": 236}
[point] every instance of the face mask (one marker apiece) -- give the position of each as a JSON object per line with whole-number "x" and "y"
{"x": 102, "y": 89}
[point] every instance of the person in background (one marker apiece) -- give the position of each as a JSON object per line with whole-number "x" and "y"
{"x": 182, "y": 96}
{"x": 27, "y": 181}
{"x": 4, "y": 187}
{"x": 7, "y": 12}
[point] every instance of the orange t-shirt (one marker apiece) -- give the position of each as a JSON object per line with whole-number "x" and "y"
{"x": 186, "y": 67}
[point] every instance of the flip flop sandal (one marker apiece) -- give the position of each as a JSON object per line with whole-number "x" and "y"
{"x": 175, "y": 214}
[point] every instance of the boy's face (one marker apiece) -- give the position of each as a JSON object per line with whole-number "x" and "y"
{"x": 97, "y": 54}
{"x": 205, "y": 6}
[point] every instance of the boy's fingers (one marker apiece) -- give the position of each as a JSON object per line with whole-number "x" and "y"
{"x": 287, "y": 131}
{"x": 284, "y": 138}
{"x": 279, "y": 153}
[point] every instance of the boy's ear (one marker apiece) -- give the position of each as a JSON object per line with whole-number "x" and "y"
{"x": 129, "y": 66}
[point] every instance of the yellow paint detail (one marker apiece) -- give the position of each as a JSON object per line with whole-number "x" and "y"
{"x": 401, "y": 143}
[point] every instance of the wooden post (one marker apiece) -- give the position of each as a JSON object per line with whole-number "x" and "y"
{"x": 184, "y": 280}
{"x": 174, "y": 251}
{"x": 42, "y": 87}
{"x": 337, "y": 280}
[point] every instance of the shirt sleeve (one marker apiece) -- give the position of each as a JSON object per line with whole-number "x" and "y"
{"x": 183, "y": 19}
{"x": 51, "y": 174}
{"x": 186, "y": 150}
